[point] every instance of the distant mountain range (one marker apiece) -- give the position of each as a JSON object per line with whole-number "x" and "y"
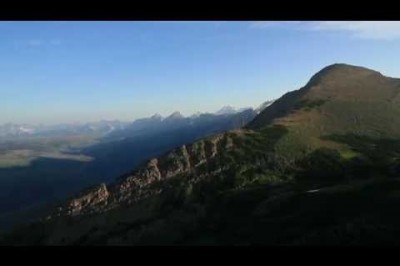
{"x": 103, "y": 127}
{"x": 156, "y": 123}
{"x": 12, "y": 130}
{"x": 100, "y": 128}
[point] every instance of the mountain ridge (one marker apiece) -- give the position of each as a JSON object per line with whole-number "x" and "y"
{"x": 338, "y": 133}
{"x": 150, "y": 171}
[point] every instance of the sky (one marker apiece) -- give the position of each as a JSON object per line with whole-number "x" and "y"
{"x": 65, "y": 72}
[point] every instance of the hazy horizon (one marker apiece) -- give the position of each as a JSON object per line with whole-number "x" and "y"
{"x": 163, "y": 115}
{"x": 66, "y": 72}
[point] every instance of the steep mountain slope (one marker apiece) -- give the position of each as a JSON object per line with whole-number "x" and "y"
{"x": 339, "y": 98}
{"x": 262, "y": 106}
{"x": 319, "y": 165}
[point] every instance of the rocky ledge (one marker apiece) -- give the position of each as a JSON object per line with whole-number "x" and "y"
{"x": 139, "y": 184}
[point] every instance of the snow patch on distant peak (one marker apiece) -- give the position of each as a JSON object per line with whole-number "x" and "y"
{"x": 226, "y": 110}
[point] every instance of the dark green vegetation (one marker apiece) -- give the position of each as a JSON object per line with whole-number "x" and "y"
{"x": 308, "y": 105}
{"x": 321, "y": 165}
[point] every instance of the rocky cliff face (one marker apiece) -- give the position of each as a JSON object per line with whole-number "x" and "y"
{"x": 146, "y": 180}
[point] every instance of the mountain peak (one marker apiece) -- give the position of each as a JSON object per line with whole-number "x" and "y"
{"x": 175, "y": 115}
{"x": 195, "y": 115}
{"x": 335, "y": 84}
{"x": 343, "y": 66}
{"x": 156, "y": 116}
{"x": 338, "y": 71}
{"x": 226, "y": 110}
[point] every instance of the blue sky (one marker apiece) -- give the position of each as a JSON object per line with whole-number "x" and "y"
{"x": 53, "y": 72}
